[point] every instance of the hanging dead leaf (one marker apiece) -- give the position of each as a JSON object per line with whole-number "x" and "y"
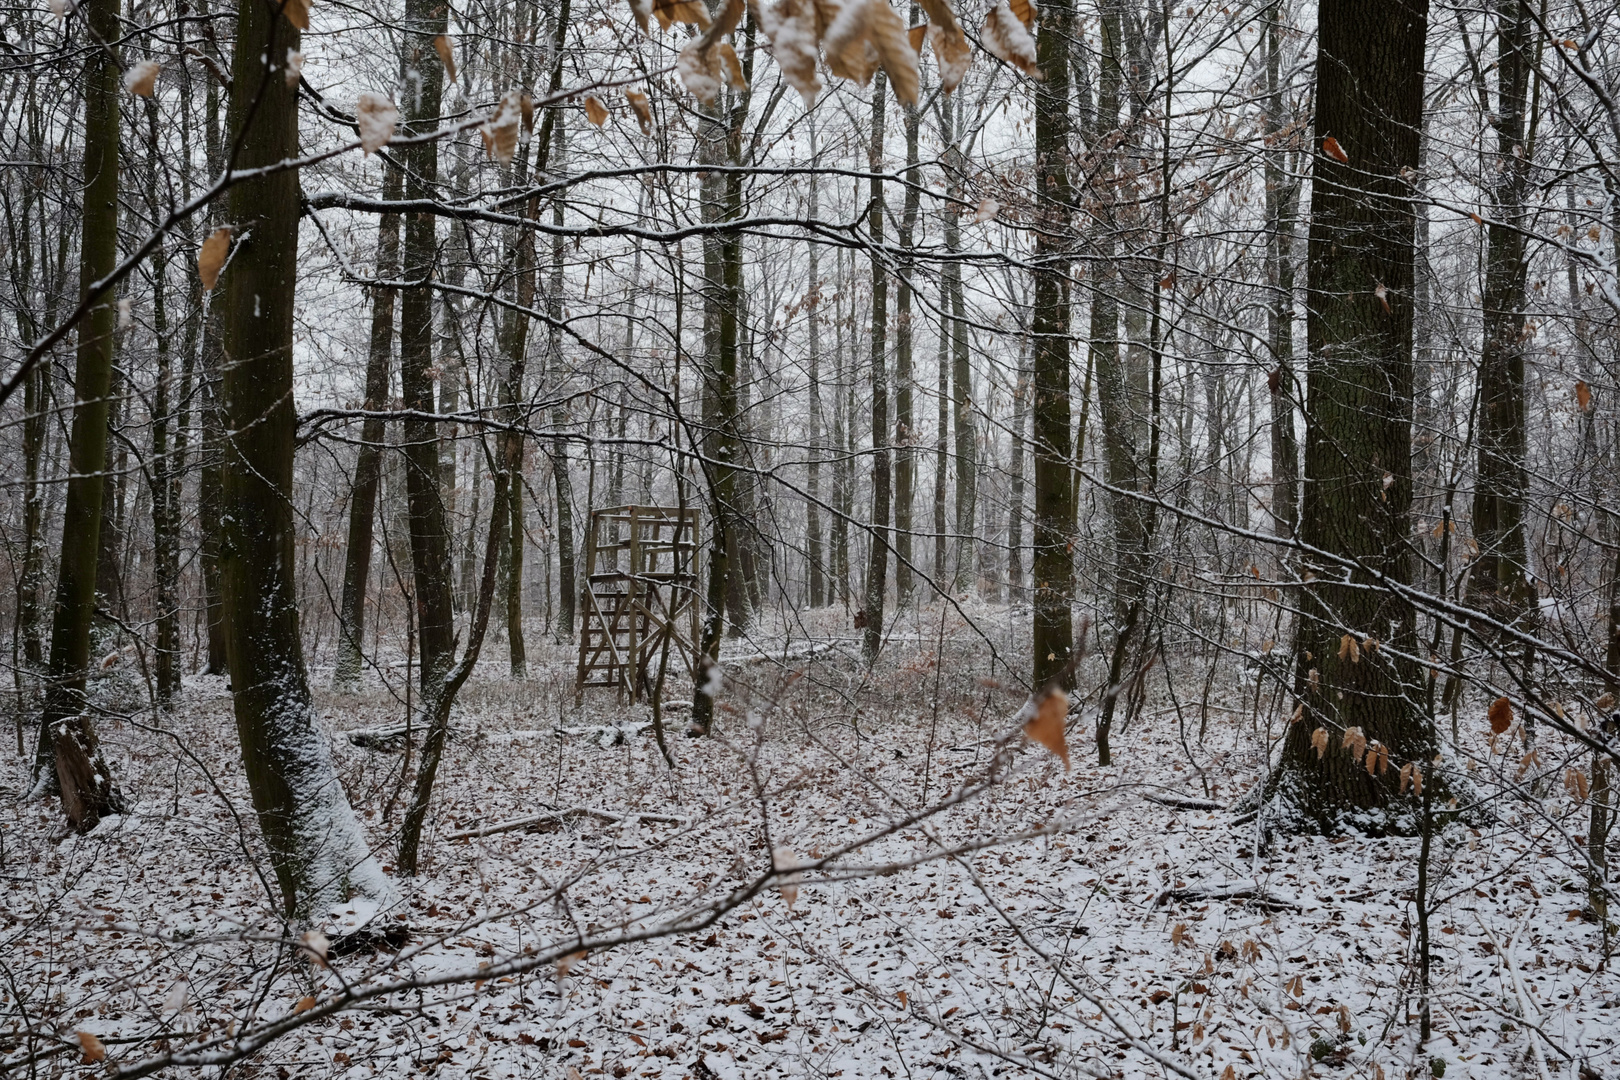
{"x": 295, "y": 67}
{"x": 304, "y": 1004}
{"x": 314, "y": 945}
{"x": 565, "y": 964}
{"x": 447, "y": 56}
{"x": 139, "y": 79}
{"x": 1583, "y": 396}
{"x": 1382, "y": 293}
{"x": 94, "y": 1051}
{"x": 1355, "y": 741}
{"x": 1412, "y": 774}
{"x": 1314, "y": 678}
{"x": 1500, "y": 715}
{"x": 297, "y": 12}
{"x": 642, "y": 10}
{"x": 700, "y": 72}
{"x": 867, "y": 35}
{"x": 916, "y": 35}
{"x": 786, "y": 865}
{"x": 1007, "y": 38}
{"x": 1576, "y": 784}
{"x": 670, "y": 12}
{"x": 1331, "y": 147}
{"x": 642, "y": 108}
{"x": 526, "y": 104}
{"x": 1319, "y": 741}
{"x": 905, "y": 1000}
{"x": 595, "y": 111}
{"x": 949, "y": 43}
{"x": 1299, "y": 712}
{"x": 376, "y": 118}
{"x": 987, "y": 211}
{"x": 795, "y": 35}
{"x": 211, "y": 258}
{"x": 1377, "y": 759}
{"x": 500, "y": 131}
{"x": 731, "y": 66}
{"x": 1047, "y": 725}
{"x": 1025, "y": 10}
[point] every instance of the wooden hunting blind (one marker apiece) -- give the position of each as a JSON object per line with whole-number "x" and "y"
{"x": 640, "y": 592}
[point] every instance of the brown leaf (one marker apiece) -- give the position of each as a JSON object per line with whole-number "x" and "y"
{"x": 1355, "y": 741}
{"x": 642, "y": 10}
{"x": 786, "y": 864}
{"x": 304, "y": 1004}
{"x": 140, "y": 78}
{"x": 315, "y": 945}
{"x": 526, "y": 103}
{"x": 297, "y": 12}
{"x": 447, "y": 56}
{"x": 1583, "y": 395}
{"x": 1025, "y": 10}
{"x": 794, "y": 30}
{"x": 1046, "y": 727}
{"x": 916, "y": 35}
{"x": 987, "y": 211}
{"x": 642, "y": 108}
{"x": 500, "y": 131}
{"x": 867, "y": 35}
{"x": 1296, "y": 986}
{"x": 690, "y": 12}
{"x": 732, "y": 66}
{"x": 211, "y": 258}
{"x": 1575, "y": 783}
{"x": 93, "y": 1050}
{"x": 595, "y": 111}
{"x": 1178, "y": 934}
{"x": 1319, "y": 741}
{"x": 1331, "y": 147}
{"x": 295, "y": 67}
{"x": 949, "y": 43}
{"x": 1382, "y": 293}
{"x": 375, "y": 117}
{"x": 1500, "y": 715}
{"x": 1007, "y": 38}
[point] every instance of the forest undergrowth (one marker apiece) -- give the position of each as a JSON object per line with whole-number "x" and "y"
{"x": 1112, "y": 921}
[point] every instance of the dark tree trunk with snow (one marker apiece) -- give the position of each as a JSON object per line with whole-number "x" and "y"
{"x": 877, "y": 563}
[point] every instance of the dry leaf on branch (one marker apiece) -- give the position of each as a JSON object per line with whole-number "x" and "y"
{"x": 375, "y": 117}
{"x": 642, "y": 10}
{"x": 1576, "y": 784}
{"x": 304, "y": 1004}
{"x": 731, "y": 66}
{"x": 1349, "y": 648}
{"x": 1046, "y": 726}
{"x": 1500, "y": 715}
{"x": 699, "y": 70}
{"x": 670, "y": 12}
{"x": 1025, "y": 10}
{"x": 1377, "y": 758}
{"x": 642, "y": 108}
{"x": 987, "y": 211}
{"x": 447, "y": 56}
{"x": 1583, "y": 395}
{"x": 1412, "y": 774}
{"x": 500, "y": 131}
{"x": 1178, "y": 934}
{"x": 93, "y": 1050}
{"x": 211, "y": 258}
{"x": 315, "y": 946}
{"x": 295, "y": 67}
{"x": 1319, "y": 741}
{"x": 1355, "y": 741}
{"x": 916, "y": 35}
{"x": 1331, "y": 147}
{"x": 595, "y": 111}
{"x": 297, "y": 12}
{"x": 1007, "y": 38}
{"x": 139, "y": 79}
{"x": 786, "y": 865}
{"x": 794, "y": 32}
{"x": 867, "y": 35}
{"x": 949, "y": 43}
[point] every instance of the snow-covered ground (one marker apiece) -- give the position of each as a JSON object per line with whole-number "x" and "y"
{"x": 1029, "y": 931}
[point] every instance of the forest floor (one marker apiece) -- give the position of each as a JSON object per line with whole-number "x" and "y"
{"x": 959, "y": 946}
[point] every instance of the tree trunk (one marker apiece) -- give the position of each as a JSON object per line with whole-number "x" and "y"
{"x": 1053, "y": 563}
{"x": 1354, "y": 639}
{"x": 1282, "y": 201}
{"x": 567, "y": 589}
{"x": 818, "y": 574}
{"x": 967, "y": 446}
{"x": 877, "y": 565}
{"x": 368, "y": 465}
{"x": 317, "y": 848}
{"x": 67, "y": 732}
{"x": 1500, "y": 580}
{"x": 165, "y": 504}
{"x": 905, "y": 434}
{"x": 210, "y": 480}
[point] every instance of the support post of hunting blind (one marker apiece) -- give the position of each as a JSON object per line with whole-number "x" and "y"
{"x": 640, "y": 589}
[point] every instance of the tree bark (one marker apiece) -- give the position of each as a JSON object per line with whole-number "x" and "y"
{"x": 1053, "y": 563}
{"x": 67, "y": 732}
{"x": 877, "y": 565}
{"x": 905, "y": 434}
{"x": 1354, "y": 638}
{"x": 315, "y": 842}
{"x": 967, "y": 446}
{"x": 1282, "y": 202}
{"x": 368, "y": 465}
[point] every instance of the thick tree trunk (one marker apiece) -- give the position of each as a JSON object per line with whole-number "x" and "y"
{"x": 165, "y": 503}
{"x": 320, "y": 855}
{"x": 877, "y": 565}
{"x": 1053, "y": 563}
{"x": 1500, "y": 579}
{"x": 67, "y": 732}
{"x": 368, "y": 465}
{"x": 1354, "y": 638}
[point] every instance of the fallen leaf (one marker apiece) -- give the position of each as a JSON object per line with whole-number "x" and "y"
{"x": 786, "y": 863}
{"x": 315, "y": 944}
{"x": 304, "y": 1004}
{"x": 211, "y": 258}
